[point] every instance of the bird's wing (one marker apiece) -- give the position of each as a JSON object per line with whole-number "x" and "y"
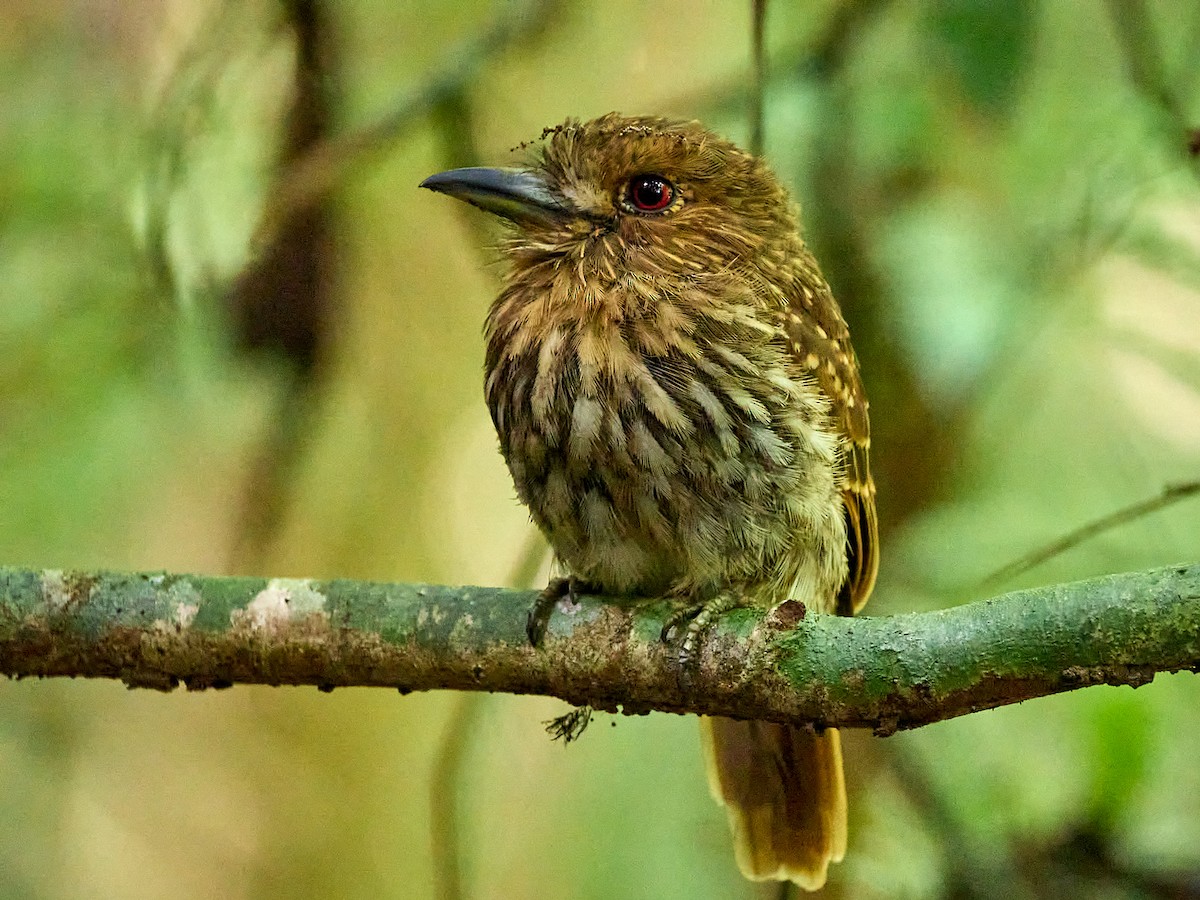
{"x": 821, "y": 341}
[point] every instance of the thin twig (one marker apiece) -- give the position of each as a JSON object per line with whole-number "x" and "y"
{"x": 758, "y": 92}
{"x": 1170, "y": 495}
{"x": 826, "y": 48}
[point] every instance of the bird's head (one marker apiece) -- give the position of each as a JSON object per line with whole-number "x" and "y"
{"x": 618, "y": 194}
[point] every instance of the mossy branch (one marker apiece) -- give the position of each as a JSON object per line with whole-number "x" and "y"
{"x": 884, "y": 673}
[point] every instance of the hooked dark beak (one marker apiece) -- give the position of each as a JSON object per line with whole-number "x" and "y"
{"x": 515, "y": 194}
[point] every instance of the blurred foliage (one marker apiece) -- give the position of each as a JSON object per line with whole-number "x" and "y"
{"x": 1003, "y": 199}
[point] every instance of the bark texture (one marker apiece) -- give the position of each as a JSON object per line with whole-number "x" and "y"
{"x": 886, "y": 673}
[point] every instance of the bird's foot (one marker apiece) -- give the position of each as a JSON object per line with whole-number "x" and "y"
{"x": 699, "y": 620}
{"x": 539, "y": 614}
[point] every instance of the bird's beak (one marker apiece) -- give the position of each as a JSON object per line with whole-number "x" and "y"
{"x": 515, "y": 194}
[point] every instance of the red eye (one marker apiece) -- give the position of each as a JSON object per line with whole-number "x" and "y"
{"x": 649, "y": 193}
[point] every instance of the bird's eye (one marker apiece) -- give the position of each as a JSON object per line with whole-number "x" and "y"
{"x": 649, "y": 193}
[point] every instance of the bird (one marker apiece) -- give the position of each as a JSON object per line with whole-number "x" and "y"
{"x": 680, "y": 408}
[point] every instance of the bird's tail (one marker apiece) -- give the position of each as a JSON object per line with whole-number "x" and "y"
{"x": 785, "y": 795}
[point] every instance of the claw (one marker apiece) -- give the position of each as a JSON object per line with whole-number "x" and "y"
{"x": 677, "y": 618}
{"x": 699, "y": 620}
{"x": 538, "y": 618}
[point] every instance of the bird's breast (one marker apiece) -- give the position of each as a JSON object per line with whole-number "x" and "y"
{"x": 649, "y": 462}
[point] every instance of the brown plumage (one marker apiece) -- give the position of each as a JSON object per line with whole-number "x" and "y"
{"x": 678, "y": 402}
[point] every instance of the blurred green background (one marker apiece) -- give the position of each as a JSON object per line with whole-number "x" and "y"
{"x": 234, "y": 337}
